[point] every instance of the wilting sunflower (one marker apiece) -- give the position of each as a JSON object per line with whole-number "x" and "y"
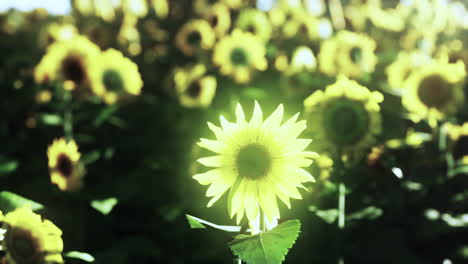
{"x": 31, "y": 240}
{"x": 345, "y": 119}
{"x": 219, "y": 19}
{"x": 193, "y": 87}
{"x": 348, "y": 53}
{"x": 434, "y": 90}
{"x": 114, "y": 77}
{"x": 399, "y": 71}
{"x": 239, "y": 54}
{"x": 66, "y": 170}
{"x": 258, "y": 160}
{"x": 256, "y": 22}
{"x": 458, "y": 141}
{"x": 67, "y": 61}
{"x": 195, "y": 35}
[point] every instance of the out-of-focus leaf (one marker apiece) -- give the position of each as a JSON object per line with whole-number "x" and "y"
{"x": 458, "y": 170}
{"x": 197, "y": 223}
{"x": 80, "y": 255}
{"x": 104, "y": 206}
{"x": 7, "y": 166}
{"x": 370, "y": 213}
{"x": 10, "y": 201}
{"x": 254, "y": 92}
{"x": 91, "y": 157}
{"x": 329, "y": 215}
{"x": 269, "y": 247}
{"x": 105, "y": 114}
{"x": 51, "y": 119}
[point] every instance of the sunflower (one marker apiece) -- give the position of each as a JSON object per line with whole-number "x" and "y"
{"x": 31, "y": 240}
{"x": 219, "y": 19}
{"x": 56, "y": 32}
{"x": 301, "y": 24}
{"x": 67, "y": 61}
{"x": 256, "y": 22}
{"x": 138, "y": 8}
{"x": 433, "y": 91}
{"x": 348, "y": 53}
{"x": 399, "y": 71}
{"x": 193, "y": 87}
{"x": 161, "y": 8}
{"x": 200, "y": 6}
{"x": 66, "y": 170}
{"x": 194, "y": 36}
{"x": 113, "y": 77}
{"x": 239, "y": 54}
{"x": 356, "y": 14}
{"x": 258, "y": 161}
{"x": 424, "y": 41}
{"x": 458, "y": 141}
{"x": 345, "y": 119}
{"x": 392, "y": 19}
{"x": 453, "y": 51}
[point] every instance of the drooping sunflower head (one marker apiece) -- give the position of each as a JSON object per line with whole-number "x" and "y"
{"x": 256, "y": 22}
{"x": 114, "y": 77}
{"x": 399, "y": 71}
{"x": 345, "y": 118}
{"x": 434, "y": 90}
{"x": 239, "y": 54}
{"x": 193, "y": 87}
{"x": 194, "y": 36}
{"x": 257, "y": 161}
{"x": 219, "y": 19}
{"x": 458, "y": 141}
{"x": 68, "y": 61}
{"x": 31, "y": 240}
{"x": 66, "y": 171}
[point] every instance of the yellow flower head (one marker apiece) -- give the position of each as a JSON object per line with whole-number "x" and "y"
{"x": 433, "y": 91}
{"x": 66, "y": 171}
{"x": 31, "y": 240}
{"x": 256, "y": 22}
{"x": 114, "y": 76}
{"x": 56, "y": 32}
{"x": 458, "y": 142}
{"x": 193, "y": 87}
{"x": 452, "y": 52}
{"x": 258, "y": 160}
{"x": 423, "y": 40}
{"x": 392, "y": 19}
{"x": 399, "y": 71}
{"x": 67, "y": 61}
{"x": 348, "y": 53}
{"x": 201, "y": 6}
{"x": 239, "y": 54}
{"x": 219, "y": 19}
{"x": 345, "y": 119}
{"x": 300, "y": 24}
{"x": 195, "y": 35}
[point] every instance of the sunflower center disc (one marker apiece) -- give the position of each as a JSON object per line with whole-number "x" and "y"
{"x": 112, "y": 80}
{"x": 72, "y": 69}
{"x": 435, "y": 91}
{"x": 194, "y": 38}
{"x": 194, "y": 89}
{"x": 21, "y": 244}
{"x": 238, "y": 57}
{"x": 64, "y": 165}
{"x": 460, "y": 148}
{"x": 214, "y": 21}
{"x": 345, "y": 122}
{"x": 253, "y": 161}
{"x": 356, "y": 54}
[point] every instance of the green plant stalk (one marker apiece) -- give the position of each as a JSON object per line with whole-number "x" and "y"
{"x": 341, "y": 204}
{"x": 67, "y": 117}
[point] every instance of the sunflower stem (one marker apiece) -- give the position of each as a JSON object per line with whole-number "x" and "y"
{"x": 67, "y": 117}
{"x": 341, "y": 204}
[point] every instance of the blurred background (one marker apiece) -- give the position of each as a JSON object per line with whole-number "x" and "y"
{"x": 406, "y": 185}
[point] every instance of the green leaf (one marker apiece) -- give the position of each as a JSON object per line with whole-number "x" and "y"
{"x": 51, "y": 119}
{"x": 10, "y": 201}
{"x": 91, "y": 157}
{"x": 329, "y": 215}
{"x": 104, "y": 206}
{"x": 80, "y": 255}
{"x": 197, "y": 223}
{"x": 370, "y": 213}
{"x": 458, "y": 170}
{"x": 8, "y": 166}
{"x": 105, "y": 114}
{"x": 269, "y": 247}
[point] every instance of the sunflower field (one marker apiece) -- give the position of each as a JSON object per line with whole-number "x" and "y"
{"x": 234, "y": 131}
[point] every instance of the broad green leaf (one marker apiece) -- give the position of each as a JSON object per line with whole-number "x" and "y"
{"x": 80, "y": 255}
{"x": 51, "y": 119}
{"x": 269, "y": 247}
{"x": 370, "y": 213}
{"x": 7, "y": 166}
{"x": 104, "y": 206}
{"x": 329, "y": 215}
{"x": 10, "y": 201}
{"x": 197, "y": 223}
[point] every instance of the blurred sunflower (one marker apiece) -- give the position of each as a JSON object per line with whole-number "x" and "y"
{"x": 219, "y": 19}
{"x": 399, "y": 71}
{"x": 458, "y": 141}
{"x": 356, "y": 14}
{"x": 195, "y": 35}
{"x": 323, "y": 164}
{"x": 256, "y": 22}
{"x": 161, "y": 8}
{"x": 239, "y": 54}
{"x": 201, "y": 6}
{"x": 104, "y": 9}
{"x": 67, "y": 61}
{"x": 258, "y": 161}
{"x": 415, "y": 39}
{"x": 31, "y": 240}
{"x": 56, "y": 32}
{"x": 66, "y": 170}
{"x": 137, "y": 8}
{"x": 193, "y": 87}
{"x": 348, "y": 53}
{"x": 301, "y": 24}
{"x": 345, "y": 119}
{"x": 453, "y": 51}
{"x": 114, "y": 77}
{"x": 391, "y": 18}
{"x": 434, "y": 91}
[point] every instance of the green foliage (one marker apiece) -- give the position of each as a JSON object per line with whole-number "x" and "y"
{"x": 104, "y": 206}
{"x": 197, "y": 223}
{"x": 80, "y": 255}
{"x": 10, "y": 201}
{"x": 268, "y": 247}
